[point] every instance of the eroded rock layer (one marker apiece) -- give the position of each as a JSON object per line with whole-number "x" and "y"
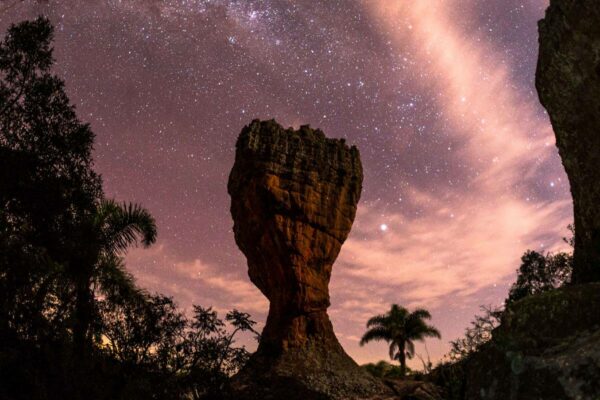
{"x": 568, "y": 84}
{"x": 293, "y": 200}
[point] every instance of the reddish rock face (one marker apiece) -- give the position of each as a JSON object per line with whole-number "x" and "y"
{"x": 293, "y": 200}
{"x": 294, "y": 197}
{"x": 568, "y": 83}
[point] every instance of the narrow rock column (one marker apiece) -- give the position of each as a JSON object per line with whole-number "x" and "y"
{"x": 568, "y": 84}
{"x": 293, "y": 200}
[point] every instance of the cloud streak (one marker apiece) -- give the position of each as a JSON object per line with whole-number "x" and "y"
{"x": 468, "y": 240}
{"x": 443, "y": 111}
{"x": 194, "y": 281}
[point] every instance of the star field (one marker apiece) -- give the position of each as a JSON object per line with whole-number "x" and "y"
{"x": 461, "y": 171}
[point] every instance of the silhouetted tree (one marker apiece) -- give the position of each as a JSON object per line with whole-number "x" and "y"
{"x": 142, "y": 329}
{"x": 105, "y": 235}
{"x": 476, "y": 335}
{"x": 47, "y": 184}
{"x": 191, "y": 357}
{"x": 73, "y": 323}
{"x": 539, "y": 273}
{"x": 210, "y": 355}
{"x": 400, "y": 328}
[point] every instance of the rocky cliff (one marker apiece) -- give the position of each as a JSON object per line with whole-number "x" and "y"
{"x": 568, "y": 83}
{"x": 293, "y": 201}
{"x": 548, "y": 345}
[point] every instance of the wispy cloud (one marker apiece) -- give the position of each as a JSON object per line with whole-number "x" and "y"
{"x": 470, "y": 239}
{"x": 194, "y": 281}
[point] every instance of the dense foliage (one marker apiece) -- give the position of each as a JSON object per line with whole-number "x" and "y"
{"x": 73, "y": 324}
{"x": 383, "y": 369}
{"x": 539, "y": 273}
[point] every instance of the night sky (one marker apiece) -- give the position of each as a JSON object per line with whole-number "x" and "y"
{"x": 461, "y": 172}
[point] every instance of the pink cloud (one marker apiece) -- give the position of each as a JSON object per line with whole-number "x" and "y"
{"x": 194, "y": 281}
{"x": 470, "y": 239}
{"x": 466, "y": 239}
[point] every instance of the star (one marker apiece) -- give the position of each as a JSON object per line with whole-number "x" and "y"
{"x": 448, "y": 130}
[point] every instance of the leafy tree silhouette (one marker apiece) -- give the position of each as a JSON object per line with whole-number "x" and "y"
{"x": 47, "y": 184}
{"x": 540, "y": 273}
{"x": 73, "y": 323}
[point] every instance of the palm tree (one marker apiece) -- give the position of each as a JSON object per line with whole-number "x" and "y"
{"x": 400, "y": 328}
{"x": 105, "y": 236}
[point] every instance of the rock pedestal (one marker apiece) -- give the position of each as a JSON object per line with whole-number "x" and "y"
{"x": 568, "y": 84}
{"x": 293, "y": 200}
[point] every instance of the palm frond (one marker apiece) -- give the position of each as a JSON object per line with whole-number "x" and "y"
{"x": 410, "y": 349}
{"x": 378, "y": 320}
{"x": 398, "y": 313}
{"x": 393, "y": 350}
{"x": 420, "y": 313}
{"x": 417, "y": 328}
{"x": 123, "y": 225}
{"x": 432, "y": 332}
{"x": 377, "y": 333}
{"x": 114, "y": 281}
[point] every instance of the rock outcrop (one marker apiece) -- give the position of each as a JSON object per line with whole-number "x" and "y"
{"x": 293, "y": 201}
{"x": 547, "y": 347}
{"x": 568, "y": 84}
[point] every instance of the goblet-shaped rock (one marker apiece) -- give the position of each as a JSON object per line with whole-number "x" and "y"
{"x": 293, "y": 200}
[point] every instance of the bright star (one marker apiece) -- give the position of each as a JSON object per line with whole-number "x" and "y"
{"x": 383, "y": 227}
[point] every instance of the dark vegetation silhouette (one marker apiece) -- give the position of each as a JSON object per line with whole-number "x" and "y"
{"x": 383, "y": 369}
{"x": 477, "y": 334}
{"x": 400, "y": 328}
{"x": 73, "y": 323}
{"x": 539, "y": 273}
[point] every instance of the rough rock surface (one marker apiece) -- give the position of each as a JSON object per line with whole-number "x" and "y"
{"x": 547, "y": 347}
{"x": 294, "y": 196}
{"x": 568, "y": 84}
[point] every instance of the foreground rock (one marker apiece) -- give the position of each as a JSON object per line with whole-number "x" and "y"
{"x": 568, "y": 83}
{"x": 414, "y": 390}
{"x": 547, "y": 347}
{"x": 293, "y": 201}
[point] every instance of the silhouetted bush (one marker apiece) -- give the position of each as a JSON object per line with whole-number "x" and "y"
{"x": 384, "y": 369}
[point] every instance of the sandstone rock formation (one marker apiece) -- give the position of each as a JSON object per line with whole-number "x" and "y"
{"x": 293, "y": 200}
{"x": 568, "y": 84}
